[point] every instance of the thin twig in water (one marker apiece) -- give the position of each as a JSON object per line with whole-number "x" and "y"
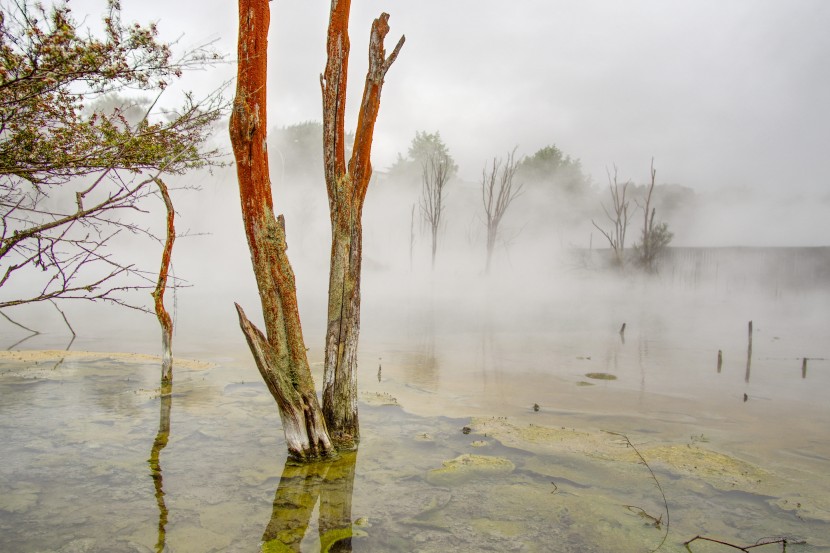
{"x": 655, "y": 521}
{"x": 659, "y": 487}
{"x": 759, "y": 543}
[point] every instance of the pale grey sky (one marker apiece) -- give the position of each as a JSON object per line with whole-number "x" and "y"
{"x": 721, "y": 93}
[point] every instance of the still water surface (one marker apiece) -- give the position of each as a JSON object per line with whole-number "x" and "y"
{"x": 94, "y": 459}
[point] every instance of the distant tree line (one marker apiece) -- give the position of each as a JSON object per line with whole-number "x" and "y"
{"x": 556, "y": 197}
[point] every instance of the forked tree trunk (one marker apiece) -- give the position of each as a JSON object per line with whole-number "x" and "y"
{"x": 346, "y": 192}
{"x": 281, "y": 356}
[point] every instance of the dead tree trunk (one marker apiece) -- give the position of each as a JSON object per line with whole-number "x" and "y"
{"x": 346, "y": 193}
{"x": 281, "y": 356}
{"x": 163, "y": 316}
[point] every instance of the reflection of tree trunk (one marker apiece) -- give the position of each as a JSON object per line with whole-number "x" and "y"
{"x": 300, "y": 487}
{"x": 336, "y": 505}
{"x": 155, "y": 465}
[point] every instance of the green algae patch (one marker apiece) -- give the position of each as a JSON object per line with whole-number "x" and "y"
{"x": 717, "y": 469}
{"x": 535, "y": 438}
{"x": 34, "y": 357}
{"x": 18, "y": 497}
{"x": 467, "y": 467}
{"x": 504, "y": 529}
{"x": 379, "y": 399}
{"x": 816, "y": 507}
{"x": 601, "y": 376}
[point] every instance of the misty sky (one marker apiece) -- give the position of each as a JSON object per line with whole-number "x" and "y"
{"x": 723, "y": 94}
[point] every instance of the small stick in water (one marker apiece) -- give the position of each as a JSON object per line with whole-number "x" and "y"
{"x": 804, "y": 367}
{"x": 749, "y": 353}
{"x": 720, "y": 360}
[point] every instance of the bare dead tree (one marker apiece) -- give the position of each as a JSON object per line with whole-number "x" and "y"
{"x": 165, "y": 321}
{"x": 618, "y": 216}
{"x": 281, "y": 355}
{"x": 435, "y": 173}
{"x": 653, "y": 238}
{"x": 347, "y": 187}
{"x": 498, "y": 191}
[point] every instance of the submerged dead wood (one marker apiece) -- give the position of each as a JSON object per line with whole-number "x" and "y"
{"x": 760, "y": 543}
{"x": 657, "y": 521}
{"x": 281, "y": 355}
{"x": 346, "y": 192}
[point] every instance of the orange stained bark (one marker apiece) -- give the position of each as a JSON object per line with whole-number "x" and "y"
{"x": 248, "y": 122}
{"x": 280, "y": 354}
{"x": 360, "y": 166}
{"x": 162, "y": 315}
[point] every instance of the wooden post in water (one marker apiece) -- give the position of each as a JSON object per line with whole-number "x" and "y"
{"x": 804, "y": 367}
{"x": 749, "y": 353}
{"x": 720, "y": 360}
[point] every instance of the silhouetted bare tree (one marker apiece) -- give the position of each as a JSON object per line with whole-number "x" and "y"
{"x": 434, "y": 176}
{"x": 654, "y": 238}
{"x": 498, "y": 190}
{"x": 618, "y": 216}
